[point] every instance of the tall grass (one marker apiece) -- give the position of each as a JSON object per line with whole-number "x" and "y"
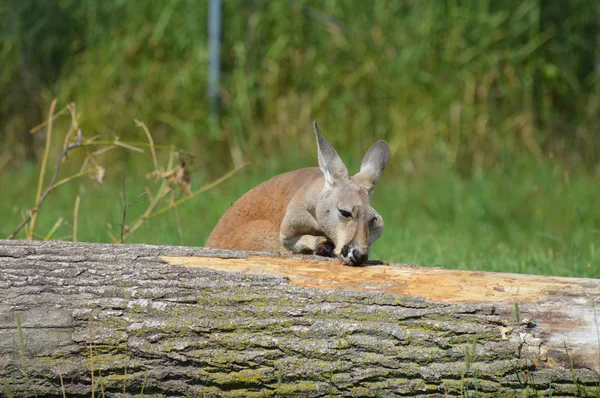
{"x": 461, "y": 83}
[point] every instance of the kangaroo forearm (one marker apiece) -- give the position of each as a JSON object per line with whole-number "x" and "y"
{"x": 299, "y": 231}
{"x": 306, "y": 244}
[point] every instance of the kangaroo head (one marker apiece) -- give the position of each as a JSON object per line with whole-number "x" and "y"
{"x": 343, "y": 209}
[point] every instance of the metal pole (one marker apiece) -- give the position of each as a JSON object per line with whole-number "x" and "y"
{"x": 214, "y": 50}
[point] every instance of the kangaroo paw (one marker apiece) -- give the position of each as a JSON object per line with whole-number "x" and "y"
{"x": 325, "y": 249}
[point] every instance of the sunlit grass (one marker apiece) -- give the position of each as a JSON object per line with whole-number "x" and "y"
{"x": 529, "y": 218}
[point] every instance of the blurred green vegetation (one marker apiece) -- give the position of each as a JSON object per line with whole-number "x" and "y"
{"x": 459, "y": 82}
{"x": 491, "y": 109}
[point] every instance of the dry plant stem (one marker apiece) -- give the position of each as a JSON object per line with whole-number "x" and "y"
{"x": 74, "y": 123}
{"x": 76, "y": 217}
{"x": 125, "y": 380}
{"x": 151, "y": 142}
{"x": 51, "y": 186}
{"x": 44, "y": 124}
{"x": 57, "y": 224}
{"x": 598, "y": 337}
{"x": 126, "y": 207}
{"x": 43, "y": 169}
{"x": 178, "y": 222}
{"x": 101, "y": 382}
{"x": 62, "y": 386}
{"x": 162, "y": 191}
{"x": 200, "y": 190}
{"x": 72, "y": 177}
{"x": 29, "y": 220}
{"x": 92, "y": 370}
{"x": 103, "y": 150}
{"x": 127, "y": 144}
{"x": 134, "y": 146}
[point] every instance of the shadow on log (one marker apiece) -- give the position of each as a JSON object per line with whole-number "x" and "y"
{"x": 127, "y": 320}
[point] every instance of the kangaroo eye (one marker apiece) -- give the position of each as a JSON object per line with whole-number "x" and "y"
{"x": 345, "y": 214}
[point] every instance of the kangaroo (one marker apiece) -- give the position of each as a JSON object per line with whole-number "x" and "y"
{"x": 314, "y": 210}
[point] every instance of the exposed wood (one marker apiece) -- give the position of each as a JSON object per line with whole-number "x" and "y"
{"x": 203, "y": 322}
{"x": 563, "y": 309}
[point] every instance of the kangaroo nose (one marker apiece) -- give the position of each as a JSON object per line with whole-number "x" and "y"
{"x": 358, "y": 257}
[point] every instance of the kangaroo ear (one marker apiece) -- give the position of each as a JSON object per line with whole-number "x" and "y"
{"x": 331, "y": 165}
{"x": 372, "y": 165}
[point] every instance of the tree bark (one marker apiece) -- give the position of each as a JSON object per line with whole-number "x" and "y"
{"x": 125, "y": 320}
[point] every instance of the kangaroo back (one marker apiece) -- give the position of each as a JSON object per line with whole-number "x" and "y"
{"x": 253, "y": 221}
{"x": 322, "y": 211}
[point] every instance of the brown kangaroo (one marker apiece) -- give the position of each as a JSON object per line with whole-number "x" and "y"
{"x": 319, "y": 211}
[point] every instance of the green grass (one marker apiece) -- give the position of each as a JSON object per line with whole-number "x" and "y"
{"x": 527, "y": 217}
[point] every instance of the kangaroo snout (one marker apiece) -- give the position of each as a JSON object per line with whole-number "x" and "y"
{"x": 354, "y": 256}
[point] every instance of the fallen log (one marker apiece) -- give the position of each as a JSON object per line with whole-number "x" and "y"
{"x": 123, "y": 320}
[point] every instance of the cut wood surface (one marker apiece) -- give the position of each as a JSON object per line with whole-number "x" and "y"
{"x": 172, "y": 321}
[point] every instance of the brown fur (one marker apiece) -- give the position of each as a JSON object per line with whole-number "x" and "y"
{"x": 320, "y": 211}
{"x": 254, "y": 220}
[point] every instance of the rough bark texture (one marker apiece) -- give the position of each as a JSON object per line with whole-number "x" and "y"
{"x": 173, "y": 321}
